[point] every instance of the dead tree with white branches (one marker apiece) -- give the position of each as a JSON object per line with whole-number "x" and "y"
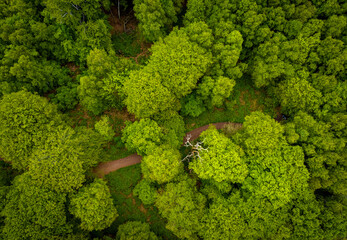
{"x": 195, "y": 149}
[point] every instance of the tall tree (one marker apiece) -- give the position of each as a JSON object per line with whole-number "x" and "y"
{"x": 162, "y": 164}
{"x": 33, "y": 212}
{"x": 75, "y": 12}
{"x": 167, "y": 77}
{"x": 219, "y": 158}
{"x": 324, "y": 146}
{"x": 26, "y": 120}
{"x": 183, "y": 206}
{"x": 93, "y": 205}
{"x": 61, "y": 162}
{"x": 142, "y": 136}
{"x": 135, "y": 230}
{"x": 156, "y": 16}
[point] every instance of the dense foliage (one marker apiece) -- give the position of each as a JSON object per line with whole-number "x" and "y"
{"x": 26, "y": 122}
{"x": 70, "y": 98}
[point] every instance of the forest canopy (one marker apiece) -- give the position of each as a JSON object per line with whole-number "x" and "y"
{"x": 236, "y": 109}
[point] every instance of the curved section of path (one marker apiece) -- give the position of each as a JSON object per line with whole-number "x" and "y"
{"x": 105, "y": 168}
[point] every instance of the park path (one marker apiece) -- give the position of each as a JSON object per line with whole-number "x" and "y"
{"x": 106, "y": 167}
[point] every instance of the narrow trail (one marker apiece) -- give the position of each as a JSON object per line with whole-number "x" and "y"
{"x": 105, "y": 168}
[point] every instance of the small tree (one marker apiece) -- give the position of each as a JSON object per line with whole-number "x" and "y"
{"x": 145, "y": 191}
{"x": 104, "y": 127}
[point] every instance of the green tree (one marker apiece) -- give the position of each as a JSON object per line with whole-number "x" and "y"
{"x": 173, "y": 127}
{"x": 222, "y": 221}
{"x": 26, "y": 120}
{"x": 61, "y": 163}
{"x": 279, "y": 176}
{"x": 21, "y": 69}
{"x": 156, "y": 16}
{"x": 142, "y": 136}
{"x": 335, "y": 25}
{"x": 93, "y": 205}
{"x": 276, "y": 170}
{"x": 297, "y": 94}
{"x": 30, "y": 49}
{"x": 183, "y": 206}
{"x": 215, "y": 89}
{"x": 146, "y": 96}
{"x": 192, "y": 105}
{"x": 104, "y": 128}
{"x": 324, "y": 147}
{"x": 145, "y": 191}
{"x": 260, "y": 134}
{"x": 88, "y": 36}
{"x": 219, "y": 159}
{"x": 190, "y": 64}
{"x": 162, "y": 164}
{"x": 88, "y": 92}
{"x": 135, "y": 230}
{"x": 151, "y": 16}
{"x": 333, "y": 216}
{"x": 101, "y": 87}
{"x": 167, "y": 77}
{"x": 32, "y": 212}
{"x": 65, "y": 97}
{"x": 74, "y": 12}
{"x": 267, "y": 66}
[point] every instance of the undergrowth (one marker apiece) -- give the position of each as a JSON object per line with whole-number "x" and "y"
{"x": 126, "y": 44}
{"x": 243, "y": 100}
{"x": 130, "y": 208}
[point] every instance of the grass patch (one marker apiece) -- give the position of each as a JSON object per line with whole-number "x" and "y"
{"x": 117, "y": 153}
{"x": 126, "y": 44}
{"x": 243, "y": 100}
{"x": 124, "y": 179}
{"x": 130, "y": 208}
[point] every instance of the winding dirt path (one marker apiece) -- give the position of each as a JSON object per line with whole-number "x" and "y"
{"x": 105, "y": 168}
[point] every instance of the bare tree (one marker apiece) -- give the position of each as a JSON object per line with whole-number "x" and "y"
{"x": 196, "y": 149}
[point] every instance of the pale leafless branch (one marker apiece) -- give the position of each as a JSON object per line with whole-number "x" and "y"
{"x": 196, "y": 149}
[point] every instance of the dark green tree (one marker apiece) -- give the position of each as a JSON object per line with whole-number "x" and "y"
{"x": 145, "y": 191}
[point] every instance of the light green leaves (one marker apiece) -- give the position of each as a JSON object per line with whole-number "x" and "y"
{"x": 172, "y": 72}
{"x": 222, "y": 160}
{"x": 93, "y": 205}
{"x": 261, "y": 134}
{"x": 183, "y": 206}
{"x": 142, "y": 136}
{"x": 104, "y": 128}
{"x": 162, "y": 164}
{"x": 26, "y": 120}
{"x": 135, "y": 230}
